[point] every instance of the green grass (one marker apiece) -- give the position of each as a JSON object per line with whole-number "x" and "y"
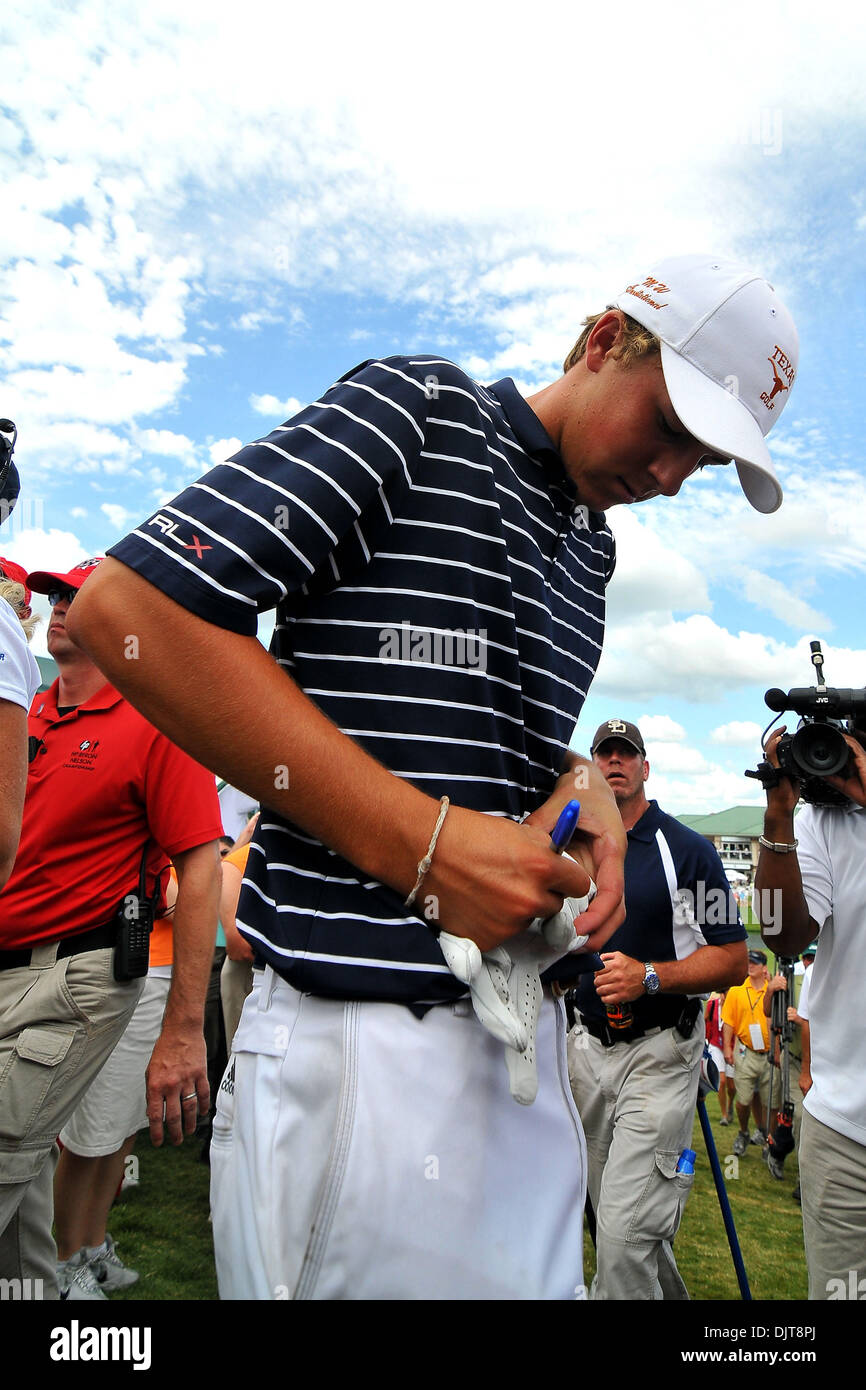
{"x": 162, "y": 1229}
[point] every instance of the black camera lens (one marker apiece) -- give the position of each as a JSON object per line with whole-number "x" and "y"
{"x": 819, "y": 750}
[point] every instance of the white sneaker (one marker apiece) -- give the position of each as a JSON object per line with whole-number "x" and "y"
{"x": 77, "y": 1280}
{"x": 108, "y": 1267}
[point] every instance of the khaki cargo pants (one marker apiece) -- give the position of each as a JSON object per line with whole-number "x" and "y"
{"x": 59, "y": 1021}
{"x": 637, "y": 1104}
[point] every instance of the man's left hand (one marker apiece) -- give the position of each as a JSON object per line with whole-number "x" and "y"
{"x": 177, "y": 1086}
{"x": 622, "y": 979}
{"x": 599, "y": 844}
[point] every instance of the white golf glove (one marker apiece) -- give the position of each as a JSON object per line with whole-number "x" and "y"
{"x": 487, "y": 978}
{"x": 505, "y": 984}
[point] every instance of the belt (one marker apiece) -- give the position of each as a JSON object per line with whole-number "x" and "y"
{"x": 607, "y": 1036}
{"x": 94, "y": 940}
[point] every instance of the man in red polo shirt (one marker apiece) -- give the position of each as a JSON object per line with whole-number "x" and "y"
{"x": 105, "y": 793}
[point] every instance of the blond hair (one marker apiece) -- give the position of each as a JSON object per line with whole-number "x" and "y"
{"x": 636, "y": 342}
{"x": 13, "y": 592}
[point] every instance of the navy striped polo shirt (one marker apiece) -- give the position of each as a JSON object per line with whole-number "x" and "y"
{"x": 439, "y": 596}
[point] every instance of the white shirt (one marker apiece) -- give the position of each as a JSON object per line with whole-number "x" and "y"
{"x": 803, "y": 1001}
{"x": 19, "y": 672}
{"x": 832, "y": 855}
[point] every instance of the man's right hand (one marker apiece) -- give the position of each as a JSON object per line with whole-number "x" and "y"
{"x": 491, "y": 878}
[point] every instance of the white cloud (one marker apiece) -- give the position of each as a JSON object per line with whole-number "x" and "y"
{"x": 651, "y": 576}
{"x": 254, "y": 320}
{"x": 697, "y": 657}
{"x": 38, "y": 549}
{"x": 222, "y": 449}
{"x": 739, "y": 733}
{"x": 286, "y": 186}
{"x": 273, "y": 406}
{"x": 660, "y": 728}
{"x": 776, "y": 597}
{"x": 676, "y": 758}
{"x": 131, "y": 387}
{"x": 713, "y": 789}
{"x": 117, "y": 515}
{"x": 166, "y": 443}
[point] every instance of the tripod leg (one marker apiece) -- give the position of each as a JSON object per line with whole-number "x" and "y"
{"x": 724, "y": 1204}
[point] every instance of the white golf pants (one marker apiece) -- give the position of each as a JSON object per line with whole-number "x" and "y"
{"x": 359, "y": 1152}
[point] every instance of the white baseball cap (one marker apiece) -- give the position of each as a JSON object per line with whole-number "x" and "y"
{"x": 729, "y": 355}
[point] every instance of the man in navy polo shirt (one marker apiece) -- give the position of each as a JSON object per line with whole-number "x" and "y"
{"x": 438, "y": 557}
{"x": 634, "y": 1054}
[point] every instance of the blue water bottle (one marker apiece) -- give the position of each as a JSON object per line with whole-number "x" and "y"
{"x": 686, "y": 1161}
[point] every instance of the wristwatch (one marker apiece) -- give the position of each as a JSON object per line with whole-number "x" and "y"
{"x": 651, "y": 982}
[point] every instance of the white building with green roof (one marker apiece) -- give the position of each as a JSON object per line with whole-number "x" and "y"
{"x": 734, "y": 833}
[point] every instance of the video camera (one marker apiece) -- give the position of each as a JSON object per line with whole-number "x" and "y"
{"x": 818, "y": 748}
{"x": 10, "y": 484}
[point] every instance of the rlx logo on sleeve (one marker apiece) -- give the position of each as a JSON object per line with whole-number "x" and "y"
{"x": 169, "y": 529}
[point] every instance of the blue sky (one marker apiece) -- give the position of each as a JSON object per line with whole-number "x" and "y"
{"x": 210, "y": 215}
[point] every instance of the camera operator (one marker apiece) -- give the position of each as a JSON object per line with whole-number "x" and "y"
{"x": 821, "y": 877}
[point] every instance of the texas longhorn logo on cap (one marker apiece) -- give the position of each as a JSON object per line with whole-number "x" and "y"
{"x": 784, "y": 368}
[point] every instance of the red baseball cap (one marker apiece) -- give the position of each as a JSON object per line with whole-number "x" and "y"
{"x": 17, "y": 573}
{"x": 45, "y": 581}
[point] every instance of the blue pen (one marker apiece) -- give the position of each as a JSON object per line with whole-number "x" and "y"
{"x": 565, "y": 826}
